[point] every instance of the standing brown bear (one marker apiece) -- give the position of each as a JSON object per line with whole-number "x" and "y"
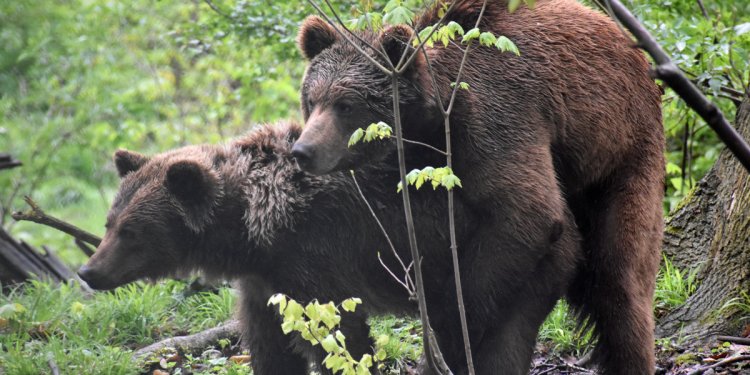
{"x": 572, "y": 124}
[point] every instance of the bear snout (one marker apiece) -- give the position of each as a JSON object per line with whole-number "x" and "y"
{"x": 93, "y": 278}
{"x": 303, "y": 153}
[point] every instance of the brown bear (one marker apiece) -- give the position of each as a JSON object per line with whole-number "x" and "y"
{"x": 246, "y": 211}
{"x": 572, "y": 124}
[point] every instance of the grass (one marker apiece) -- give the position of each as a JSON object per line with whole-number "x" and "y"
{"x": 562, "y": 332}
{"x": 405, "y": 343}
{"x": 96, "y": 334}
{"x": 673, "y": 287}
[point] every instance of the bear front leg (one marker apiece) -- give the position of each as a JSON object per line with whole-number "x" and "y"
{"x": 272, "y": 351}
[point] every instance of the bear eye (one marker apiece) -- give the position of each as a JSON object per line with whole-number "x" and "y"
{"x": 343, "y": 107}
{"x": 310, "y": 104}
{"x": 127, "y": 233}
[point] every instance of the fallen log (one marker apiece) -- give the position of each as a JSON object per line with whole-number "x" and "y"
{"x": 193, "y": 343}
{"x": 20, "y": 262}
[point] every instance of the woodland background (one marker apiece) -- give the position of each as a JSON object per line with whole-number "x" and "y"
{"x": 82, "y": 78}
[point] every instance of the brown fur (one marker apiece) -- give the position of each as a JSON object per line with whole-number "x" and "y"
{"x": 572, "y": 125}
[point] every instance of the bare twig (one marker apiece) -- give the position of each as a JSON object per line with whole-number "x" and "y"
{"x": 84, "y": 247}
{"x": 38, "y": 215}
{"x": 217, "y": 10}
{"x": 728, "y": 361}
{"x": 433, "y": 148}
{"x": 343, "y": 25}
{"x": 451, "y": 213}
{"x": 431, "y": 349}
{"x": 53, "y": 366}
{"x": 407, "y": 277}
{"x": 670, "y": 74}
{"x": 393, "y": 275}
{"x": 703, "y": 9}
{"x": 734, "y": 339}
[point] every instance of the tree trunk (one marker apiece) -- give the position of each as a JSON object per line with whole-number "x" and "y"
{"x": 711, "y": 232}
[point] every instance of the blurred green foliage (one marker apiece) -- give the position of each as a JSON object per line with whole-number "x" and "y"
{"x": 82, "y": 78}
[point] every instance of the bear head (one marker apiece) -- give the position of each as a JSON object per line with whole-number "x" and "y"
{"x": 343, "y": 90}
{"x": 161, "y": 208}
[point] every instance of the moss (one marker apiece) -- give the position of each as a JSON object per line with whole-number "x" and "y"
{"x": 670, "y": 229}
{"x": 687, "y": 199}
{"x": 686, "y": 359}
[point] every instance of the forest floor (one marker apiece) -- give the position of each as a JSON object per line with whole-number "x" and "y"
{"x": 723, "y": 358}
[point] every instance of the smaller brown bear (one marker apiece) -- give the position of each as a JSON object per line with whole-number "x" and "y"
{"x": 245, "y": 211}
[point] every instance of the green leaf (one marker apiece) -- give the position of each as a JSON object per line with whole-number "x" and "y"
{"x": 463, "y": 86}
{"x": 470, "y": 35}
{"x": 399, "y": 15}
{"x": 293, "y": 310}
{"x": 287, "y": 326}
{"x": 487, "y": 39}
{"x": 311, "y": 311}
{"x": 449, "y": 181}
{"x": 411, "y": 177}
{"x": 350, "y": 304}
{"x": 341, "y": 339}
{"x": 506, "y": 45}
{"x": 454, "y": 28}
{"x": 422, "y": 37}
{"x": 329, "y": 344}
{"x": 382, "y": 340}
{"x": 278, "y": 299}
{"x": 380, "y": 355}
{"x": 356, "y": 137}
{"x": 513, "y": 5}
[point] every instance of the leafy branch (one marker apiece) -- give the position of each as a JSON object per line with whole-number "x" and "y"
{"x": 318, "y": 324}
{"x": 670, "y": 74}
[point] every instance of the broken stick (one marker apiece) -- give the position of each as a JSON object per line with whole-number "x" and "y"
{"x": 37, "y": 215}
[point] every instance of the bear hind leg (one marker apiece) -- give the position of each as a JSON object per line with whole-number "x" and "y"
{"x": 615, "y": 288}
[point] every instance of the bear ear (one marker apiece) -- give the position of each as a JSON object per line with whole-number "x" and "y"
{"x": 196, "y": 189}
{"x": 395, "y": 40}
{"x": 314, "y": 36}
{"x": 190, "y": 183}
{"x": 128, "y": 161}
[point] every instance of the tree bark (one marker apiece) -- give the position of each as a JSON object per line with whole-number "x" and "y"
{"x": 710, "y": 232}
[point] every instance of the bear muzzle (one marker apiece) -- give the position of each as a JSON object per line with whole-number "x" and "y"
{"x": 95, "y": 279}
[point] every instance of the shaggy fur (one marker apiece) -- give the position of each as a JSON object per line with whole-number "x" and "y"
{"x": 570, "y": 131}
{"x": 276, "y": 229}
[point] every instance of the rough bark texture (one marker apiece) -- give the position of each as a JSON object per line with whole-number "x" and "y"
{"x": 711, "y": 232}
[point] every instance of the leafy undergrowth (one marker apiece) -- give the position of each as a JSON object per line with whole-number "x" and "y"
{"x": 43, "y": 325}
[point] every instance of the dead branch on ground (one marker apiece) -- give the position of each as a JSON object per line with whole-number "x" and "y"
{"x": 195, "y": 342}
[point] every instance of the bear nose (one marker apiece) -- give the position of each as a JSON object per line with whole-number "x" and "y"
{"x": 84, "y": 272}
{"x": 303, "y": 153}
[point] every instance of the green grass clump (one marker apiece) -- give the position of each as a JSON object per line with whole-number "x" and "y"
{"x": 673, "y": 287}
{"x": 562, "y": 331}
{"x": 405, "y": 343}
{"x": 95, "y": 334}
